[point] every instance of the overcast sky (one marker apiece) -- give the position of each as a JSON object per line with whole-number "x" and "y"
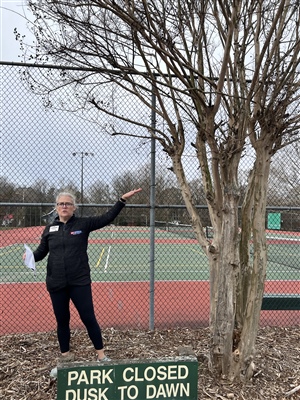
{"x": 12, "y": 15}
{"x": 38, "y": 144}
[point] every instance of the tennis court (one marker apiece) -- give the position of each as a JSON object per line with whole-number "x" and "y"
{"x": 120, "y": 268}
{"x": 122, "y": 254}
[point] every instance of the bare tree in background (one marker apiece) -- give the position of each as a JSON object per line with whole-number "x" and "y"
{"x": 285, "y": 176}
{"x": 226, "y": 80}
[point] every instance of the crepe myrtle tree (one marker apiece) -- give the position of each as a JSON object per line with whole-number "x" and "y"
{"x": 225, "y": 76}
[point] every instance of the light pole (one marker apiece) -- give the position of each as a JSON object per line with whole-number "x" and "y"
{"x": 145, "y": 215}
{"x": 23, "y": 214}
{"x": 82, "y": 154}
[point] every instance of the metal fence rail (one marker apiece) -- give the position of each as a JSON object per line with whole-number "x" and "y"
{"x": 140, "y": 269}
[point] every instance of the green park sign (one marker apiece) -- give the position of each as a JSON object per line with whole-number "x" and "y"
{"x": 170, "y": 378}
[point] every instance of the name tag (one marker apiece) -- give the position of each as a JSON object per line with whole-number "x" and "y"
{"x": 54, "y": 228}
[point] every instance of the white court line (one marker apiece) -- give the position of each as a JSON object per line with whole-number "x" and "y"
{"x": 108, "y": 254}
{"x": 283, "y": 238}
{"x": 107, "y": 259}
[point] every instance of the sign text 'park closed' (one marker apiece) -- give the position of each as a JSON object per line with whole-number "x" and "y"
{"x": 174, "y": 378}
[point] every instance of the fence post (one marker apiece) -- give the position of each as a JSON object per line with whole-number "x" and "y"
{"x": 152, "y": 213}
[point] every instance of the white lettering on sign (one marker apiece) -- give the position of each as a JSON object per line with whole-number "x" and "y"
{"x": 131, "y": 392}
{"x": 167, "y": 390}
{"x": 86, "y": 394}
{"x": 94, "y": 376}
{"x": 161, "y": 373}
{"x": 129, "y": 382}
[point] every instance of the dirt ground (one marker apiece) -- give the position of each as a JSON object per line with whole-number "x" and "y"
{"x": 26, "y": 360}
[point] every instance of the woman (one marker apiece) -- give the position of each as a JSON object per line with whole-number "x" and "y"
{"x": 68, "y": 272}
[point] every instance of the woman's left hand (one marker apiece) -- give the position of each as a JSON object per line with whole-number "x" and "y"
{"x": 131, "y": 193}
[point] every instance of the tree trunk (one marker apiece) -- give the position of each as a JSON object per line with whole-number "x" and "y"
{"x": 224, "y": 268}
{"x": 236, "y": 280}
{"x": 236, "y": 294}
{"x": 253, "y": 274}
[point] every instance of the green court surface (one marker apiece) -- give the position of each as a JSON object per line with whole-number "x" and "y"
{"x": 123, "y": 254}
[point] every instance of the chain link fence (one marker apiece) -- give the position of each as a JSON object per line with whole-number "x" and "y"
{"x": 136, "y": 268}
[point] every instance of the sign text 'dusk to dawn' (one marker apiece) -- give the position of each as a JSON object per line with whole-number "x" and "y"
{"x": 174, "y": 378}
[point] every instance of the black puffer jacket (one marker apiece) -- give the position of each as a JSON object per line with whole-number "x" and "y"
{"x": 67, "y": 247}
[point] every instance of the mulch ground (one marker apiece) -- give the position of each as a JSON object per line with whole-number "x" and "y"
{"x": 26, "y": 360}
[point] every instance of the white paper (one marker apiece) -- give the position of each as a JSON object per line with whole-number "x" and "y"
{"x": 29, "y": 258}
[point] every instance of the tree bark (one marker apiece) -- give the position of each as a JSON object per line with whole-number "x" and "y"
{"x": 224, "y": 267}
{"x": 253, "y": 274}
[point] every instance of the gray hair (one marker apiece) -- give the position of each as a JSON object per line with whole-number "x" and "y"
{"x": 71, "y": 195}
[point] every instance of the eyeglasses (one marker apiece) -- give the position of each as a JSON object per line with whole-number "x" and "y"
{"x": 64, "y": 204}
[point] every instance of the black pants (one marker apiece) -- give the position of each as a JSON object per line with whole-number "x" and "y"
{"x": 81, "y": 297}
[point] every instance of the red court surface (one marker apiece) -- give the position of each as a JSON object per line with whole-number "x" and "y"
{"x": 124, "y": 305}
{"x": 26, "y": 307}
